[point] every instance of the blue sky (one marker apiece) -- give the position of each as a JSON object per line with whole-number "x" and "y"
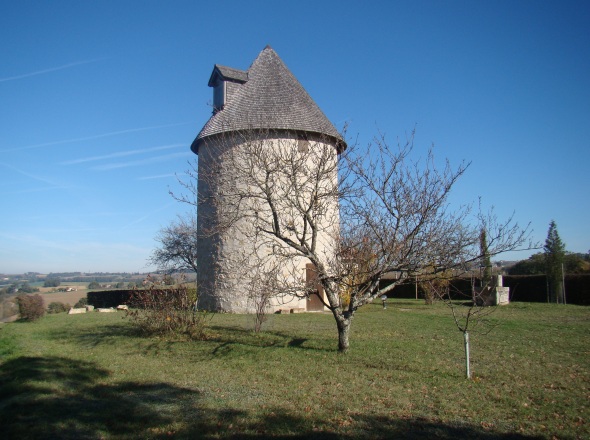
{"x": 100, "y": 101}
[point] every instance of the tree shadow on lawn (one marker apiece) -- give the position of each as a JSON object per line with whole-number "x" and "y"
{"x": 279, "y": 424}
{"x": 94, "y": 336}
{"x": 56, "y": 397}
{"x": 230, "y": 336}
{"x": 132, "y": 339}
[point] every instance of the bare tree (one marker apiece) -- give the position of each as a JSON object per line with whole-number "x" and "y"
{"x": 178, "y": 246}
{"x": 355, "y": 215}
{"x": 264, "y": 286}
{"x": 399, "y": 207}
{"x": 469, "y": 310}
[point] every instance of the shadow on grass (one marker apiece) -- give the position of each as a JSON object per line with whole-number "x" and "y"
{"x": 227, "y": 337}
{"x": 55, "y": 397}
{"x": 94, "y": 336}
{"x": 223, "y": 340}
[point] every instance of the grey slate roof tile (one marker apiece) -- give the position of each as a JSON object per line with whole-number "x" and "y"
{"x": 271, "y": 98}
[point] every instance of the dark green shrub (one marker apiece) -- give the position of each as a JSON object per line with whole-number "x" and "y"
{"x": 27, "y": 288}
{"x": 30, "y": 307}
{"x": 52, "y": 282}
{"x": 82, "y": 302}
{"x": 57, "y": 307}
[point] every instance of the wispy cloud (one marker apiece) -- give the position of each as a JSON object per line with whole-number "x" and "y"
{"x": 51, "y": 69}
{"x": 79, "y": 247}
{"x": 32, "y": 190}
{"x": 148, "y": 215}
{"x": 121, "y": 154}
{"x": 97, "y": 136}
{"x": 159, "y": 176}
{"x": 34, "y": 177}
{"x": 136, "y": 163}
{"x": 34, "y": 241}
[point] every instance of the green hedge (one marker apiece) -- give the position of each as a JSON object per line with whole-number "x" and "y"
{"x": 523, "y": 288}
{"x": 461, "y": 289}
{"x": 533, "y": 288}
{"x": 108, "y": 298}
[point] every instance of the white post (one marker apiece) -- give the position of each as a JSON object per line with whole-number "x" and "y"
{"x": 466, "y": 340}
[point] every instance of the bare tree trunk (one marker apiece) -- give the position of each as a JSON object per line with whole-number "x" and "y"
{"x": 343, "y": 325}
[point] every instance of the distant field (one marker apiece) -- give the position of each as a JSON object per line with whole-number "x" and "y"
{"x": 50, "y": 294}
{"x": 92, "y": 376}
{"x": 78, "y": 286}
{"x": 70, "y": 298}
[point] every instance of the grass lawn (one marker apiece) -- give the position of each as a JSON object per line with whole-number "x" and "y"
{"x": 92, "y": 376}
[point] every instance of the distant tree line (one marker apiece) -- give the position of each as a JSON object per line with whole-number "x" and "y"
{"x": 103, "y": 278}
{"x": 119, "y": 285}
{"x": 573, "y": 263}
{"x": 52, "y": 282}
{"x": 19, "y": 287}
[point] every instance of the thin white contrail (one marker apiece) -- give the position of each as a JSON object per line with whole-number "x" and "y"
{"x": 159, "y": 176}
{"x": 32, "y": 176}
{"x": 148, "y": 215}
{"x": 97, "y": 136}
{"x": 121, "y": 154}
{"x": 147, "y": 161}
{"x": 51, "y": 69}
{"x": 52, "y": 185}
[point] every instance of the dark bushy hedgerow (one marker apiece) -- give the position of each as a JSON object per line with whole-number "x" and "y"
{"x": 526, "y": 288}
{"x": 577, "y": 289}
{"x": 57, "y": 307}
{"x": 108, "y": 298}
{"x": 460, "y": 288}
{"x": 523, "y": 288}
{"x": 82, "y": 302}
{"x": 30, "y": 307}
{"x": 162, "y": 309}
{"x": 533, "y": 288}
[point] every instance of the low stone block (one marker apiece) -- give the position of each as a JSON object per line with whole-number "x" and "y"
{"x": 89, "y": 308}
{"x": 106, "y": 310}
{"x": 298, "y": 310}
{"x": 76, "y": 311}
{"x": 122, "y": 307}
{"x": 502, "y": 296}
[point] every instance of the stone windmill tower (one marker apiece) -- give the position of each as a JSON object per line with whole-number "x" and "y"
{"x": 268, "y": 105}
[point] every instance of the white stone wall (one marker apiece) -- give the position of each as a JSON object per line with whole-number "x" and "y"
{"x": 231, "y": 254}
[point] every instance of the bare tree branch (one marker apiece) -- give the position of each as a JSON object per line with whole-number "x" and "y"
{"x": 178, "y": 246}
{"x": 354, "y": 215}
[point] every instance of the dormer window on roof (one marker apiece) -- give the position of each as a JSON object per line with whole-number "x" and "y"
{"x": 225, "y": 81}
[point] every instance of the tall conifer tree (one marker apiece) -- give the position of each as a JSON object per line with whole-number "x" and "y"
{"x": 486, "y": 261}
{"x": 554, "y": 258}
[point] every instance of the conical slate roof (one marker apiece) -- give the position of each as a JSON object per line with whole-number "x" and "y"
{"x": 270, "y": 98}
